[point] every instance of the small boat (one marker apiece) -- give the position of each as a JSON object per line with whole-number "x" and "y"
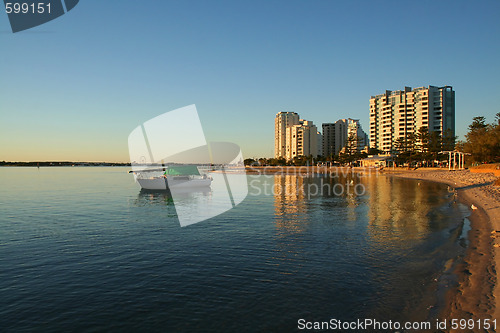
{"x": 172, "y": 178}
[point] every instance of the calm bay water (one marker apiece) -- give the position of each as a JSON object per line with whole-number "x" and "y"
{"x": 84, "y": 249}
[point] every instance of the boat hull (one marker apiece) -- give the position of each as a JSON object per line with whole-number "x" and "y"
{"x": 163, "y": 184}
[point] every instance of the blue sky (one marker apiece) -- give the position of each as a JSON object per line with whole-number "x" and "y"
{"x": 74, "y": 88}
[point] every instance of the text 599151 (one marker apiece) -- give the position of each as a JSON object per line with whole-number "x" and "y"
{"x": 27, "y": 8}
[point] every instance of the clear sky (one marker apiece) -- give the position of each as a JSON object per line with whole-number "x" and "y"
{"x": 74, "y": 88}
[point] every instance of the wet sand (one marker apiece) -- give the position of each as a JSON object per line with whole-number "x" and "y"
{"x": 477, "y": 294}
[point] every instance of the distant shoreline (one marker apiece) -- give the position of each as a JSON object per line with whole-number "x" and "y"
{"x": 59, "y": 164}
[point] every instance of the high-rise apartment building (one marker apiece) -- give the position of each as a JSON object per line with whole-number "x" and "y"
{"x": 319, "y": 140}
{"x": 302, "y": 140}
{"x": 282, "y": 121}
{"x": 295, "y": 137}
{"x": 394, "y": 114}
{"x": 335, "y": 135}
{"x": 354, "y": 129}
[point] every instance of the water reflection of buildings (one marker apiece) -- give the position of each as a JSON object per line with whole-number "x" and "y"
{"x": 289, "y": 203}
{"x": 297, "y": 197}
{"x": 397, "y": 209}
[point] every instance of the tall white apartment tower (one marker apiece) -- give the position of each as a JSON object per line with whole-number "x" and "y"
{"x": 394, "y": 114}
{"x": 282, "y": 121}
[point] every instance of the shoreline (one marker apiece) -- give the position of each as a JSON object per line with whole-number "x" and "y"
{"x": 477, "y": 294}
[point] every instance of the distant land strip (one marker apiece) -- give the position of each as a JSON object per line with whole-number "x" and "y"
{"x": 60, "y": 163}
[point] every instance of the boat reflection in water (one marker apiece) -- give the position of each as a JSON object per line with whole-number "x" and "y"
{"x": 164, "y": 197}
{"x": 195, "y": 204}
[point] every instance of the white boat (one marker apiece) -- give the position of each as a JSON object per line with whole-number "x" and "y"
{"x": 173, "y": 178}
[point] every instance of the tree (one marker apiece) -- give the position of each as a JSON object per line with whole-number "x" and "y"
{"x": 494, "y": 139}
{"x": 405, "y": 148}
{"x": 448, "y": 140}
{"x": 478, "y": 123}
{"x": 435, "y": 145}
{"x": 483, "y": 140}
{"x": 350, "y": 151}
{"x": 249, "y": 161}
{"x": 277, "y": 161}
{"x": 262, "y": 161}
{"x": 477, "y": 140}
{"x": 320, "y": 159}
{"x": 374, "y": 151}
{"x": 422, "y": 141}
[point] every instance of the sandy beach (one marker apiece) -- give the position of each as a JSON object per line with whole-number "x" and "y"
{"x": 478, "y": 293}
